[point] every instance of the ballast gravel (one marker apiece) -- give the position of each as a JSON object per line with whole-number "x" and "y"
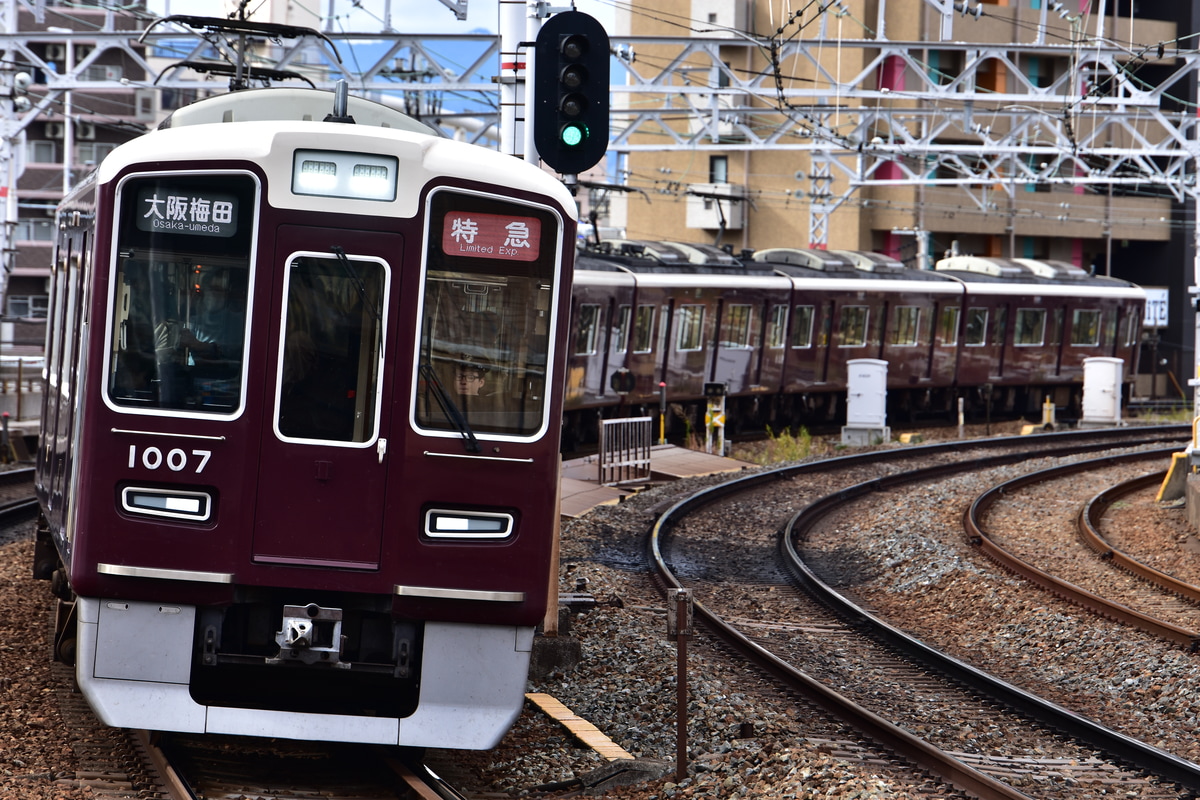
{"x": 741, "y": 742}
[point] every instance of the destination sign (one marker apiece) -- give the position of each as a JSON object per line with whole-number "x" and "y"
{"x": 478, "y": 235}
{"x": 208, "y": 214}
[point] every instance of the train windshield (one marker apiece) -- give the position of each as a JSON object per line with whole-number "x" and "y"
{"x": 486, "y": 316}
{"x": 180, "y": 291}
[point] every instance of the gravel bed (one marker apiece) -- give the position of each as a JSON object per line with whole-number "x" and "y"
{"x": 1125, "y": 679}
{"x": 742, "y": 742}
{"x": 37, "y": 760}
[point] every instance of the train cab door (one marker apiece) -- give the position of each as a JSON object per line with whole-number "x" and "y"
{"x": 323, "y": 465}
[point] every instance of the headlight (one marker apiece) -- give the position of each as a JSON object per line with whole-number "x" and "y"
{"x": 441, "y": 523}
{"x": 174, "y": 503}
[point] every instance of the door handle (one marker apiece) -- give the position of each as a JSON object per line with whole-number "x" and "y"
{"x": 381, "y": 449}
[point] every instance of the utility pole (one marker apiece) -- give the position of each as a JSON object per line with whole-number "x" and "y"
{"x": 16, "y": 84}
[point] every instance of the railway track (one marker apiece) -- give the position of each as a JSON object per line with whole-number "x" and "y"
{"x": 802, "y": 640}
{"x": 1156, "y": 602}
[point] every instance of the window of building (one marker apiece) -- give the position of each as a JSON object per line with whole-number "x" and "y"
{"x": 145, "y": 103}
{"x": 93, "y": 152}
{"x": 41, "y": 151}
{"x": 103, "y": 72}
{"x": 27, "y": 306}
{"x": 35, "y": 230}
{"x": 718, "y": 169}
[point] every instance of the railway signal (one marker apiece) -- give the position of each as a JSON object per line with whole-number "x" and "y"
{"x": 570, "y": 92}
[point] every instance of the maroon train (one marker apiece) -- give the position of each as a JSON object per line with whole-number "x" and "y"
{"x": 270, "y": 506}
{"x": 778, "y": 329}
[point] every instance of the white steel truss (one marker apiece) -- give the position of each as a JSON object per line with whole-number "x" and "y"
{"x": 1096, "y": 123}
{"x": 1119, "y": 116}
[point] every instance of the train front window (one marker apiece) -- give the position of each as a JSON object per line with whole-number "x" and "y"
{"x": 331, "y": 347}
{"x": 486, "y": 316}
{"x": 181, "y": 285}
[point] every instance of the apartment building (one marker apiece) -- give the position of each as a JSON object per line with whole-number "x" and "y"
{"x": 74, "y": 130}
{"x": 914, "y": 130}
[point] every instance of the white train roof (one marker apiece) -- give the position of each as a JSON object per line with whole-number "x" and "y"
{"x": 309, "y": 105}
{"x": 269, "y": 138}
{"x": 824, "y": 260}
{"x": 1012, "y": 268}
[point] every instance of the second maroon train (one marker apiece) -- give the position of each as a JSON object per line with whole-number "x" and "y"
{"x": 776, "y": 331}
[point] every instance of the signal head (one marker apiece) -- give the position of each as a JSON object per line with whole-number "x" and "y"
{"x": 570, "y": 92}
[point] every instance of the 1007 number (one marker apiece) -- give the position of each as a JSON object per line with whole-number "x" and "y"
{"x": 176, "y": 460}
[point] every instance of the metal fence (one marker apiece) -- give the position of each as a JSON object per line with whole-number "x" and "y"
{"x": 625, "y": 450}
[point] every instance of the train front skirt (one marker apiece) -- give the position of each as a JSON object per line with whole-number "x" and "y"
{"x": 137, "y": 667}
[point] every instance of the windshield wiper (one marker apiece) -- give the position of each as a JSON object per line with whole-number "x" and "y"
{"x": 451, "y": 410}
{"x": 359, "y": 286}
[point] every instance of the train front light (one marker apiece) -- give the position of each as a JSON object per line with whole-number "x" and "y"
{"x": 355, "y": 176}
{"x": 173, "y": 503}
{"x": 443, "y": 523}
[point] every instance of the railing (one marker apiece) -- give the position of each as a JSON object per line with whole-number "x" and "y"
{"x": 625, "y": 450}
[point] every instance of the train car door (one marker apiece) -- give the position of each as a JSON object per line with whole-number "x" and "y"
{"x": 323, "y": 464}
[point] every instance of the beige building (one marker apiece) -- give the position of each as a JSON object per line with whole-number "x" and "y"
{"x": 968, "y": 133}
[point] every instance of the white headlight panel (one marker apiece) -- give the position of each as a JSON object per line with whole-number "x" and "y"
{"x": 442, "y": 523}
{"x": 358, "y": 176}
{"x": 194, "y": 506}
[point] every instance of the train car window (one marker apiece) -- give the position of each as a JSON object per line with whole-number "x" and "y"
{"x": 802, "y": 326}
{"x": 1133, "y": 329}
{"x": 1109, "y": 327}
{"x": 643, "y": 330}
{"x": 977, "y": 323}
{"x": 1054, "y": 329}
{"x": 587, "y": 329}
{"x": 1000, "y": 325}
{"x": 852, "y": 330}
{"x": 181, "y": 285}
{"x": 331, "y": 348}
{"x": 622, "y": 337}
{"x": 825, "y": 326}
{"x": 690, "y": 328}
{"x": 948, "y": 326}
{"x": 776, "y": 327}
{"x": 736, "y": 333}
{"x": 908, "y": 326}
{"x": 1031, "y": 327}
{"x": 485, "y": 320}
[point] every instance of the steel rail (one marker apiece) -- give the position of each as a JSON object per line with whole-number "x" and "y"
{"x": 1089, "y": 531}
{"x": 918, "y": 751}
{"x": 1118, "y": 745}
{"x": 1068, "y": 591}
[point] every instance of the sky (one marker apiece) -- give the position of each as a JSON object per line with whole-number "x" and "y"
{"x": 408, "y": 16}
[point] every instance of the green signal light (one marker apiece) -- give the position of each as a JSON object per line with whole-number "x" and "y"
{"x": 573, "y": 135}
